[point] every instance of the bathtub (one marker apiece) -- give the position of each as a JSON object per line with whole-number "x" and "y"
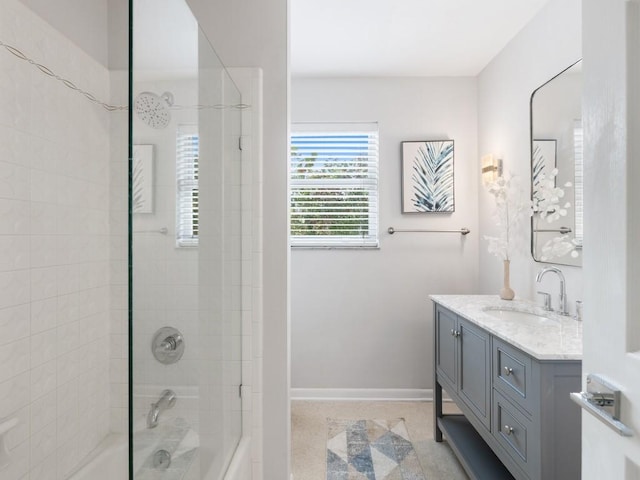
{"x": 109, "y": 461}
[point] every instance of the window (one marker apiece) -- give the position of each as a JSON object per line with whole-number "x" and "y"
{"x": 187, "y": 147}
{"x": 334, "y": 185}
{"x": 579, "y": 182}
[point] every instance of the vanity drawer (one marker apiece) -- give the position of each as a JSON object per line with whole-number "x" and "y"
{"x": 514, "y": 432}
{"x": 512, "y": 374}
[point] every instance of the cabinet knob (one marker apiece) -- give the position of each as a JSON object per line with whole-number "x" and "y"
{"x": 507, "y": 430}
{"x": 508, "y": 371}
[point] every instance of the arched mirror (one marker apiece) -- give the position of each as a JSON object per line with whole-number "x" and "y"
{"x": 556, "y": 169}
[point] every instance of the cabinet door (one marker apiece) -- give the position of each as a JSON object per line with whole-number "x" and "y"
{"x": 446, "y": 347}
{"x": 474, "y": 382}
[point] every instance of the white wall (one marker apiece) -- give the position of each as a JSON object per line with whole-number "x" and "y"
{"x": 84, "y": 22}
{"x": 546, "y": 46}
{"x": 54, "y": 257}
{"x": 254, "y": 33}
{"x": 362, "y": 319}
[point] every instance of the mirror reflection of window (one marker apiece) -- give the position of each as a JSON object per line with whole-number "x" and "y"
{"x": 579, "y": 181}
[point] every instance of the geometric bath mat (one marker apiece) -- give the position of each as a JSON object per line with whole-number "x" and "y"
{"x": 371, "y": 450}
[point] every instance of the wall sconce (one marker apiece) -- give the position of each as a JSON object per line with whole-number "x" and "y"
{"x": 491, "y": 168}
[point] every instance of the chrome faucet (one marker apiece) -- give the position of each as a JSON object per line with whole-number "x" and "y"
{"x": 562, "y": 308}
{"x": 167, "y": 400}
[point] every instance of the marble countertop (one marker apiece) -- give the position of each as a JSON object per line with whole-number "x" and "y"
{"x": 558, "y": 338}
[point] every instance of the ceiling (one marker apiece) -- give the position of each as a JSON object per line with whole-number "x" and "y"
{"x": 402, "y": 37}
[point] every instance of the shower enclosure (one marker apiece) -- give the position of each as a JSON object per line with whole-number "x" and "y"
{"x": 126, "y": 245}
{"x": 186, "y": 241}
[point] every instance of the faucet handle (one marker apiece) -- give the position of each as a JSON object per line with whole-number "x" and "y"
{"x": 547, "y": 300}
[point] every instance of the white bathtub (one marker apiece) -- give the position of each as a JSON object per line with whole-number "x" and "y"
{"x": 109, "y": 461}
{"x": 240, "y": 466}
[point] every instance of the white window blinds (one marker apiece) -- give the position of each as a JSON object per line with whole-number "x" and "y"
{"x": 579, "y": 182}
{"x": 187, "y": 147}
{"x": 334, "y": 185}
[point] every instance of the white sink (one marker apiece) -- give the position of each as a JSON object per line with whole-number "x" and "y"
{"x": 517, "y": 316}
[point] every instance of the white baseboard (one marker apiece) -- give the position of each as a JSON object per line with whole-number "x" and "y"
{"x": 378, "y": 394}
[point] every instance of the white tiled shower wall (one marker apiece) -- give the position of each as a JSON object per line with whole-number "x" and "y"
{"x": 55, "y": 250}
{"x": 118, "y": 226}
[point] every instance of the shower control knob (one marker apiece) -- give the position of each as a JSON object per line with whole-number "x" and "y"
{"x": 168, "y": 345}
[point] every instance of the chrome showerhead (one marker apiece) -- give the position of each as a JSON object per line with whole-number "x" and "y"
{"x": 153, "y": 109}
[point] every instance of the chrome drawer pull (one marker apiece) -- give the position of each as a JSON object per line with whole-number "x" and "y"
{"x": 507, "y": 430}
{"x": 508, "y": 371}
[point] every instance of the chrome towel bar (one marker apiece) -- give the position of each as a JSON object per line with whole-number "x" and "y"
{"x": 563, "y": 230}
{"x": 603, "y": 400}
{"x": 462, "y": 231}
{"x": 161, "y": 231}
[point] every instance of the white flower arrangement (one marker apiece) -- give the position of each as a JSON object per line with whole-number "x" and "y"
{"x": 546, "y": 203}
{"x": 512, "y": 208}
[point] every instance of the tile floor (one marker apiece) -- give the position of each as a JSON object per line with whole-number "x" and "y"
{"x": 309, "y": 435}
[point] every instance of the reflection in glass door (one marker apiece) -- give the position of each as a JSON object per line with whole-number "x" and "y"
{"x": 186, "y": 251}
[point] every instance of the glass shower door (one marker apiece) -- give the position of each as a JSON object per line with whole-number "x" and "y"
{"x": 186, "y": 249}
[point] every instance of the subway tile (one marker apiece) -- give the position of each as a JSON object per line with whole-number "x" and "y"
{"x": 46, "y": 155}
{"x": 46, "y": 469}
{"x": 44, "y": 218}
{"x": 43, "y": 443}
{"x": 88, "y": 357}
{"x": 14, "y": 288}
{"x": 14, "y": 146}
{"x": 22, "y": 431}
{"x": 68, "y": 424}
{"x": 14, "y": 181}
{"x": 14, "y": 323}
{"x": 44, "y": 251}
{"x": 19, "y": 464}
{"x": 67, "y": 337}
{"x": 44, "y": 315}
{"x": 44, "y": 283}
{"x": 68, "y": 458}
{"x": 67, "y": 367}
{"x": 44, "y": 347}
{"x": 14, "y": 394}
{"x": 67, "y": 278}
{"x": 14, "y": 359}
{"x": 67, "y": 220}
{"x": 15, "y": 95}
{"x": 43, "y": 187}
{"x": 14, "y": 252}
{"x": 43, "y": 412}
{"x": 43, "y": 379}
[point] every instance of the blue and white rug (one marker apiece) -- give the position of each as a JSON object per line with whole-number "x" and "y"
{"x": 371, "y": 450}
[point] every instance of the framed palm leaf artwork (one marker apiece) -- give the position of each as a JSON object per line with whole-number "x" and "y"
{"x": 543, "y": 161}
{"x": 427, "y": 176}
{"x": 142, "y": 179}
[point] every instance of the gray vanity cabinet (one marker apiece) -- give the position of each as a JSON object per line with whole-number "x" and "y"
{"x": 463, "y": 361}
{"x": 518, "y": 421}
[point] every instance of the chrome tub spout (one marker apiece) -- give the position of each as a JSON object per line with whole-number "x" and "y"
{"x": 167, "y": 400}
